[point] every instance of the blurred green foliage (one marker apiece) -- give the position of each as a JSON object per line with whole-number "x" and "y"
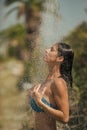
{"x": 78, "y": 40}
{"x": 14, "y": 32}
{"x": 27, "y": 2}
{"x": 15, "y": 36}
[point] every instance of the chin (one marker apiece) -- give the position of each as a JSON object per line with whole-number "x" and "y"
{"x": 45, "y": 59}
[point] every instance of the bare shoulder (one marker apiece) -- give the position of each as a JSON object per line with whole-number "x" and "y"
{"x": 60, "y": 86}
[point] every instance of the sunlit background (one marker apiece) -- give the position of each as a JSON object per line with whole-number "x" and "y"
{"x": 26, "y": 29}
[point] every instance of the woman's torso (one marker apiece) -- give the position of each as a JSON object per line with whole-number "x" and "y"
{"x": 43, "y": 120}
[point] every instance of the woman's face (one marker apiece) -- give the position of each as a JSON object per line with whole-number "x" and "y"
{"x": 51, "y": 54}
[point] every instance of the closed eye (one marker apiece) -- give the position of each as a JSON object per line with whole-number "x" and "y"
{"x": 52, "y": 49}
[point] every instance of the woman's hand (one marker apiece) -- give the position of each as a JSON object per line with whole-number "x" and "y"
{"x": 29, "y": 93}
{"x": 38, "y": 95}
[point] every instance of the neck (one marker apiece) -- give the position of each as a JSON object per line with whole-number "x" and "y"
{"x": 54, "y": 71}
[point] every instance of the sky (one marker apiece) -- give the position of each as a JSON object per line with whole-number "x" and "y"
{"x": 72, "y": 14}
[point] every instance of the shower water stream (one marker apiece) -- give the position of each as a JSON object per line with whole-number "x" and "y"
{"x": 48, "y": 34}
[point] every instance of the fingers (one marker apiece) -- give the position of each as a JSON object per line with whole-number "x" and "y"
{"x": 36, "y": 88}
{"x": 44, "y": 89}
{"x": 33, "y": 89}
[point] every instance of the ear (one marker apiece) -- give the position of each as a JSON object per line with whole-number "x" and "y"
{"x": 60, "y": 59}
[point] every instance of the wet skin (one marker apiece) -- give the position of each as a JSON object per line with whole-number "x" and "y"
{"x": 54, "y": 89}
{"x": 44, "y": 120}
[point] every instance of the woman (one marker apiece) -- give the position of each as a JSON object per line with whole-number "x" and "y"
{"x": 49, "y": 100}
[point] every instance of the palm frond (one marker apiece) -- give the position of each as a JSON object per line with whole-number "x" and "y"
{"x": 21, "y": 10}
{"x": 9, "y": 2}
{"x": 10, "y": 11}
{"x": 38, "y": 3}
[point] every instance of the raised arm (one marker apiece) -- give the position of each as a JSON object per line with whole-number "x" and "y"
{"x": 61, "y": 98}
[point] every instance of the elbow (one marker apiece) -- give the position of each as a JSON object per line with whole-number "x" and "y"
{"x": 65, "y": 120}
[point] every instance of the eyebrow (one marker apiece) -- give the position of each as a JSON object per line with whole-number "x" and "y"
{"x": 52, "y": 48}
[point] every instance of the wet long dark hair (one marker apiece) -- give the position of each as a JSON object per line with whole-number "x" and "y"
{"x": 66, "y": 66}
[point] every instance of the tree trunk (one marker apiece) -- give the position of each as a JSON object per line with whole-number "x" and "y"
{"x": 33, "y": 21}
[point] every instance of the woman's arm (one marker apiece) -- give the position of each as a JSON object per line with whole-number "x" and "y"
{"x": 60, "y": 94}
